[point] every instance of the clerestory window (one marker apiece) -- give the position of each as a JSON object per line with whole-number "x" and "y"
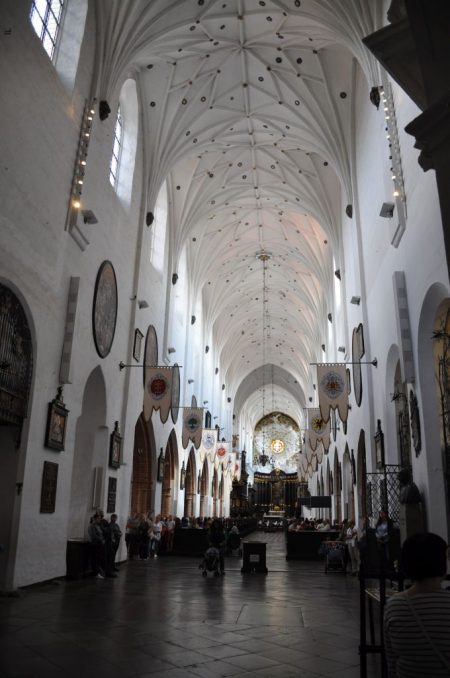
{"x": 117, "y": 150}
{"x": 46, "y": 17}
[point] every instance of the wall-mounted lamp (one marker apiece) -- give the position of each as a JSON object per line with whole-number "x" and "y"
{"x": 89, "y": 217}
{"x": 228, "y": 400}
{"x": 337, "y": 273}
{"x": 330, "y": 317}
{"x": 174, "y": 278}
{"x": 206, "y": 349}
{"x": 193, "y": 319}
{"x": 355, "y": 300}
{"x": 349, "y": 211}
{"x": 215, "y": 418}
{"x": 310, "y": 399}
{"x": 387, "y": 210}
{"x": 149, "y": 218}
{"x": 190, "y": 381}
{"x": 341, "y": 349}
{"x": 216, "y": 371}
{"x": 171, "y": 349}
{"x": 223, "y": 387}
{"x": 205, "y": 402}
{"x": 142, "y": 303}
{"x": 104, "y": 110}
{"x": 323, "y": 347}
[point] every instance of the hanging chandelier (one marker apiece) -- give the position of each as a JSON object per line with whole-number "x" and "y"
{"x": 264, "y": 257}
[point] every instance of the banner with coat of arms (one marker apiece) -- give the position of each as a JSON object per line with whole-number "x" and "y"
{"x": 318, "y": 429}
{"x": 192, "y": 426}
{"x": 158, "y": 392}
{"x": 222, "y": 451}
{"x": 333, "y": 390}
{"x": 208, "y": 444}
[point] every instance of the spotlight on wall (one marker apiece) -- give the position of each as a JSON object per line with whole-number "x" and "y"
{"x": 206, "y": 349}
{"x": 205, "y": 402}
{"x": 341, "y": 349}
{"x": 193, "y": 319}
{"x": 174, "y": 278}
{"x": 349, "y": 211}
{"x": 216, "y": 371}
{"x": 215, "y": 418}
{"x": 149, "y": 218}
{"x": 142, "y": 303}
{"x": 337, "y": 273}
{"x": 171, "y": 349}
{"x": 387, "y": 210}
{"x": 190, "y": 381}
{"x": 330, "y": 317}
{"x": 104, "y": 110}
{"x": 310, "y": 399}
{"x": 228, "y": 400}
{"x": 89, "y": 217}
{"x": 355, "y": 300}
{"x": 323, "y": 347}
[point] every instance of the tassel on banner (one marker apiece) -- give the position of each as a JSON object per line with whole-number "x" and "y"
{"x": 192, "y": 426}
{"x": 333, "y": 390}
{"x": 158, "y": 392}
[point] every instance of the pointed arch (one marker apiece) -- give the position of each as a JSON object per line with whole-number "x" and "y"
{"x": 144, "y": 467}
{"x": 190, "y": 489}
{"x": 204, "y": 484}
{"x": 170, "y": 471}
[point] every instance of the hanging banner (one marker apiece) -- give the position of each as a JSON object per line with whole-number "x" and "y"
{"x": 332, "y": 385}
{"x": 192, "y": 426}
{"x": 208, "y": 444}
{"x": 230, "y": 464}
{"x": 318, "y": 429}
{"x": 222, "y": 451}
{"x": 158, "y": 392}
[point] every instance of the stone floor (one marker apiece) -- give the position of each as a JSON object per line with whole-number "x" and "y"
{"x": 161, "y": 618}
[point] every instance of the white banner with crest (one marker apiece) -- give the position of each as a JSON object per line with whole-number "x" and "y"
{"x": 208, "y": 444}
{"x": 332, "y": 385}
{"x": 192, "y": 426}
{"x": 158, "y": 392}
{"x": 318, "y": 429}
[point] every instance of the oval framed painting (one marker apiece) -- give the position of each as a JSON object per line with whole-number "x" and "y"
{"x": 104, "y": 310}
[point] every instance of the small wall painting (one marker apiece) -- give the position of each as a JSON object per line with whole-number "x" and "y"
{"x": 55, "y": 432}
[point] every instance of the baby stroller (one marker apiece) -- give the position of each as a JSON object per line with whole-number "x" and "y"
{"x": 210, "y": 562}
{"x": 335, "y": 556}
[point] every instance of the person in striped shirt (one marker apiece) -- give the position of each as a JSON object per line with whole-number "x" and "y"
{"x": 417, "y": 621}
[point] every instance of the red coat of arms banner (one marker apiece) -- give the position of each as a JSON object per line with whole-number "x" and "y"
{"x": 158, "y": 392}
{"x": 333, "y": 390}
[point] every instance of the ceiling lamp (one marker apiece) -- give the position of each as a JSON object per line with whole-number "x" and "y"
{"x": 264, "y": 257}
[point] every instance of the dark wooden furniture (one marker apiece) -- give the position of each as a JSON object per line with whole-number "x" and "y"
{"x": 254, "y": 557}
{"x": 305, "y": 545}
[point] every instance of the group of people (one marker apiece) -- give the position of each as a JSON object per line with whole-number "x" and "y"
{"x": 104, "y": 539}
{"x": 148, "y": 537}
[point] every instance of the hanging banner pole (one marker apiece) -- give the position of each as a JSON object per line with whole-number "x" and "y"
{"x": 158, "y": 367}
{"x": 373, "y": 362}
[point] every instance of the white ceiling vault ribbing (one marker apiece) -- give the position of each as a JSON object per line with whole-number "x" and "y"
{"x": 247, "y": 112}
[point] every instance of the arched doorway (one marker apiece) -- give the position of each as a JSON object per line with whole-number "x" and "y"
{"x": 90, "y": 456}
{"x": 215, "y": 493}
{"x": 347, "y": 482}
{"x": 144, "y": 467}
{"x": 337, "y": 486}
{"x": 16, "y": 368}
{"x": 204, "y": 482}
{"x": 190, "y": 489}
{"x": 170, "y": 467}
{"x": 361, "y": 489}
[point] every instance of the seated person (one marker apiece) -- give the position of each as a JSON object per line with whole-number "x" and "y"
{"x": 417, "y": 621}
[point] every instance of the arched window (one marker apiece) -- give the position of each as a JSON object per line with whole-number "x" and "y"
{"x": 117, "y": 151}
{"x": 46, "y": 17}
{"x": 159, "y": 230}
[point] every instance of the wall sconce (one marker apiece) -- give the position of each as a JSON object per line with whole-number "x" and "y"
{"x": 387, "y": 210}
{"x": 89, "y": 217}
{"x": 142, "y": 303}
{"x": 355, "y": 300}
{"x": 171, "y": 349}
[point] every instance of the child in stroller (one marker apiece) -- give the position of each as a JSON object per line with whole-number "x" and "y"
{"x": 210, "y": 562}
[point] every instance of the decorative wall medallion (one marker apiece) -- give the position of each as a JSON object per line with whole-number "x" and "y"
{"x": 49, "y": 485}
{"x": 357, "y": 353}
{"x": 150, "y": 351}
{"x": 415, "y": 422}
{"x": 104, "y": 312}
{"x": 175, "y": 393}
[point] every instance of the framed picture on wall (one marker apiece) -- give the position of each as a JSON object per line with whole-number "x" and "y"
{"x": 48, "y": 488}
{"x": 115, "y": 444}
{"x": 160, "y": 469}
{"x": 55, "y": 432}
{"x": 379, "y": 446}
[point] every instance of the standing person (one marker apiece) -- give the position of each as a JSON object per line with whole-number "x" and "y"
{"x": 351, "y": 539}
{"x": 417, "y": 621}
{"x": 97, "y": 541}
{"x": 155, "y": 537}
{"x": 383, "y": 530}
{"x": 170, "y": 533}
{"x": 144, "y": 537}
{"x": 116, "y": 534}
{"x": 216, "y": 539}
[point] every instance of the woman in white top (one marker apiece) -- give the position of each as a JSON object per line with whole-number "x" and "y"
{"x": 351, "y": 537}
{"x": 417, "y": 621}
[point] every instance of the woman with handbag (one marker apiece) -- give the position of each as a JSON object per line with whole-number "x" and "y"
{"x": 417, "y": 621}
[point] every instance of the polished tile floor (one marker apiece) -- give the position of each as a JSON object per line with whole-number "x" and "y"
{"x": 162, "y": 619}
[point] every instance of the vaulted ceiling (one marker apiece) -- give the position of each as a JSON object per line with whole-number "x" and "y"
{"x": 247, "y": 111}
